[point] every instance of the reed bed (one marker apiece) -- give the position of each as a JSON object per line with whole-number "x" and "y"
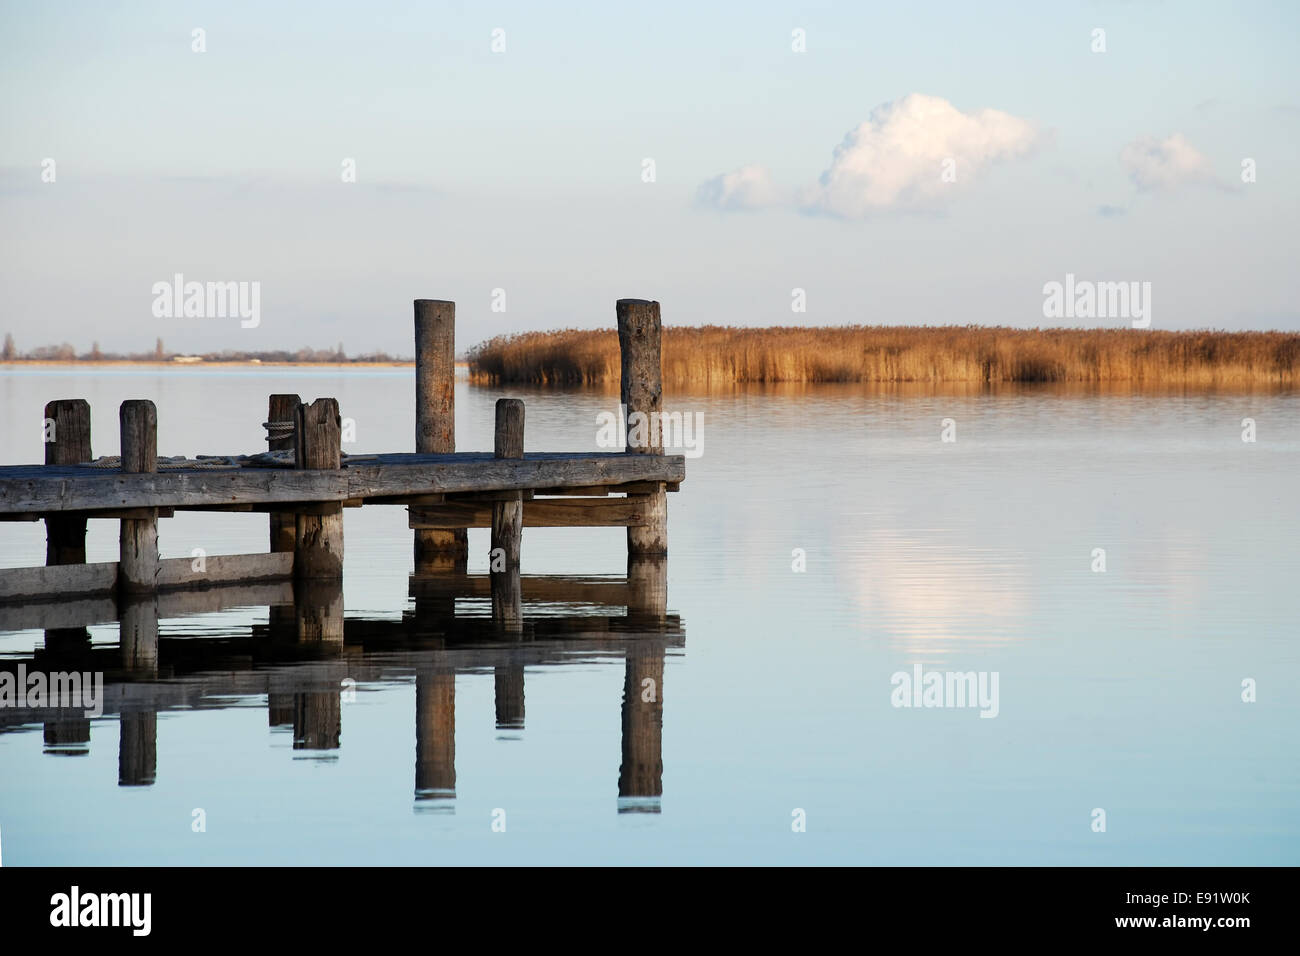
{"x": 722, "y": 355}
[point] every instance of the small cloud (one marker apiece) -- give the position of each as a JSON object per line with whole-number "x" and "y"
{"x": 1159, "y": 164}
{"x": 749, "y": 187}
{"x": 897, "y": 158}
{"x": 1111, "y": 212}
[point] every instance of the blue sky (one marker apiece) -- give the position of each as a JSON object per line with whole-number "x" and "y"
{"x": 522, "y": 170}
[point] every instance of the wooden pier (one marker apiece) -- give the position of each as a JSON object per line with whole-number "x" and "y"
{"x": 305, "y": 490}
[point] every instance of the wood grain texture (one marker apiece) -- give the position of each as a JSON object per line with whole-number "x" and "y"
{"x": 67, "y": 423}
{"x": 67, "y": 489}
{"x": 138, "y": 541}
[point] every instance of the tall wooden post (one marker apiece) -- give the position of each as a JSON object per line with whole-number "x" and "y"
{"x": 435, "y": 420}
{"x": 67, "y": 442}
{"x": 507, "y": 522}
{"x": 641, "y": 392}
{"x": 281, "y": 417}
{"x": 138, "y": 566}
{"x": 318, "y": 542}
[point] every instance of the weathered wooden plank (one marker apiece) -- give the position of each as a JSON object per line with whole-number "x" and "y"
{"x": 57, "y": 580}
{"x": 219, "y": 569}
{"x": 58, "y": 611}
{"x": 26, "y": 489}
{"x": 54, "y": 582}
{"x": 538, "y": 513}
{"x": 540, "y": 588}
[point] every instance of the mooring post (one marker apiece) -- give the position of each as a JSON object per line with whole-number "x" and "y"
{"x": 137, "y": 569}
{"x": 507, "y": 522}
{"x": 318, "y": 538}
{"x": 435, "y": 421}
{"x": 280, "y": 418}
{"x": 641, "y": 392}
{"x": 67, "y": 442}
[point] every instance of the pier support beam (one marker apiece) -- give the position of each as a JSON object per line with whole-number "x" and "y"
{"x": 435, "y": 421}
{"x": 280, "y": 417}
{"x": 67, "y": 442}
{"x": 507, "y": 522}
{"x": 641, "y": 392}
{"x": 318, "y": 541}
{"x": 137, "y": 569}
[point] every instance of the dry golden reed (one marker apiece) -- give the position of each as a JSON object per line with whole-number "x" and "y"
{"x": 723, "y": 355}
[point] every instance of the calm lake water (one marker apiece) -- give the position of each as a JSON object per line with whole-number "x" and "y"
{"x": 1119, "y": 690}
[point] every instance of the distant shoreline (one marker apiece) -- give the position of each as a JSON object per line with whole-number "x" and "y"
{"x": 977, "y": 355}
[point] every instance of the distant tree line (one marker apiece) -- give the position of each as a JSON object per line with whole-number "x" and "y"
{"x": 66, "y": 352}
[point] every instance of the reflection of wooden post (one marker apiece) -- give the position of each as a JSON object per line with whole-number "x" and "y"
{"x": 509, "y": 696}
{"x": 318, "y": 611}
{"x": 67, "y": 736}
{"x": 281, "y": 412}
{"x": 138, "y": 635}
{"x": 435, "y": 732}
{"x": 647, "y": 587}
{"x": 507, "y": 522}
{"x": 318, "y": 545}
{"x": 65, "y": 538}
{"x": 641, "y": 391}
{"x": 435, "y": 418}
{"x": 641, "y": 773}
{"x": 137, "y": 749}
{"x": 279, "y": 709}
{"x": 138, "y": 568}
{"x": 317, "y": 720}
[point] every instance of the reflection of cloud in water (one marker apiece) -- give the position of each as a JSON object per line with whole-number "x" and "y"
{"x": 922, "y": 590}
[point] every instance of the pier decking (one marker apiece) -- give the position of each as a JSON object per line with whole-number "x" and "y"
{"x": 304, "y": 494}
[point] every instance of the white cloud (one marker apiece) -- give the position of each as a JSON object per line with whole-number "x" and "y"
{"x": 1155, "y": 164}
{"x": 898, "y": 157}
{"x": 749, "y": 187}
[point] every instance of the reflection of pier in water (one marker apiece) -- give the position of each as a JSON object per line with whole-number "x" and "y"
{"x": 306, "y": 658}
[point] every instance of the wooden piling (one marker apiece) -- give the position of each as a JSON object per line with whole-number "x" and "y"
{"x": 435, "y": 421}
{"x": 67, "y": 423}
{"x": 138, "y": 565}
{"x": 318, "y": 541}
{"x": 281, "y": 411}
{"x": 641, "y": 392}
{"x": 507, "y": 521}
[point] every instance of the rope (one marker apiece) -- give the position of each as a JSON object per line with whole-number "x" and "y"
{"x": 278, "y": 430}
